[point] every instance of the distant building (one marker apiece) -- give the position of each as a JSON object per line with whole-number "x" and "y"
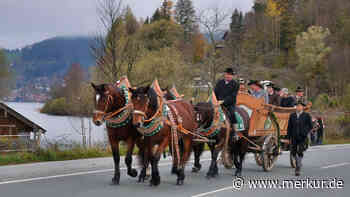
{"x": 17, "y": 133}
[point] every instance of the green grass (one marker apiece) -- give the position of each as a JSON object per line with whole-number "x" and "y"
{"x": 338, "y": 140}
{"x": 52, "y": 155}
{"x": 78, "y": 152}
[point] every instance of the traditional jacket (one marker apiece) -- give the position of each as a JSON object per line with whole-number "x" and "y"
{"x": 288, "y": 102}
{"x": 299, "y": 127}
{"x": 261, "y": 94}
{"x": 274, "y": 99}
{"x": 227, "y": 92}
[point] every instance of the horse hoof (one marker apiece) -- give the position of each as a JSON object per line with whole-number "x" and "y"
{"x": 114, "y": 181}
{"x": 142, "y": 179}
{"x": 132, "y": 173}
{"x": 195, "y": 169}
{"x": 155, "y": 181}
{"x": 238, "y": 174}
{"x": 180, "y": 182}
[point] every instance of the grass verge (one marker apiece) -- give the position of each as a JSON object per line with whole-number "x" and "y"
{"x": 44, "y": 155}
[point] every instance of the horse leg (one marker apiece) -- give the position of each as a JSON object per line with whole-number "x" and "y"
{"x": 213, "y": 169}
{"x": 241, "y": 158}
{"x": 155, "y": 180}
{"x": 187, "y": 145}
{"x": 143, "y": 154}
{"x": 198, "y": 150}
{"x": 128, "y": 159}
{"x": 116, "y": 158}
{"x": 236, "y": 161}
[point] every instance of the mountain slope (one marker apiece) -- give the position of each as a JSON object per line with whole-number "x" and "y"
{"x": 51, "y": 57}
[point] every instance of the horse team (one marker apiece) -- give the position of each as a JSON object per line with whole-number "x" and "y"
{"x": 154, "y": 120}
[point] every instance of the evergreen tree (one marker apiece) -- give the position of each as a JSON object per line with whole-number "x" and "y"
{"x": 147, "y": 21}
{"x": 289, "y": 28}
{"x": 185, "y": 16}
{"x": 236, "y": 36}
{"x": 156, "y": 16}
{"x": 130, "y": 21}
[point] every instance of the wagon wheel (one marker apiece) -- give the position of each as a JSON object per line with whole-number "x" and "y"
{"x": 293, "y": 161}
{"x": 258, "y": 159}
{"x": 269, "y": 153}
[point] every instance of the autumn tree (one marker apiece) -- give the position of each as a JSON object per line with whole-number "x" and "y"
{"x": 185, "y": 16}
{"x": 165, "y": 64}
{"x": 312, "y": 50}
{"x": 200, "y": 47}
{"x": 166, "y": 10}
{"x": 213, "y": 21}
{"x": 160, "y": 34}
{"x": 73, "y": 80}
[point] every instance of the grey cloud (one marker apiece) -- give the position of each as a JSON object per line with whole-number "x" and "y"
{"x": 24, "y": 22}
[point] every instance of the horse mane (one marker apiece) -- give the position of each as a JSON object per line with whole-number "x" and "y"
{"x": 151, "y": 94}
{"x": 153, "y": 98}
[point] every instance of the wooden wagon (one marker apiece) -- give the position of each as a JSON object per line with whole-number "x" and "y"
{"x": 266, "y": 129}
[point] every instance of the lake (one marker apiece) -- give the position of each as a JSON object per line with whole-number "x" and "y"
{"x": 59, "y": 128}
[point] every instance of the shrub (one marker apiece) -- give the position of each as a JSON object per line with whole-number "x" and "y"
{"x": 55, "y": 107}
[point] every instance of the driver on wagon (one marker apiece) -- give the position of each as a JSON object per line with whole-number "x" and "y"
{"x": 226, "y": 90}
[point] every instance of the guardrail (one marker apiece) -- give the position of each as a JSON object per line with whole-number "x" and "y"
{"x": 17, "y": 143}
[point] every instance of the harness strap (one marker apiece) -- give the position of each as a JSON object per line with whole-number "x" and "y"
{"x": 174, "y": 136}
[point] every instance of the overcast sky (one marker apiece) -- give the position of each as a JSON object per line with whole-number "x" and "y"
{"x": 24, "y": 22}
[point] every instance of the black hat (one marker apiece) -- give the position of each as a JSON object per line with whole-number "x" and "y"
{"x": 276, "y": 88}
{"x": 230, "y": 71}
{"x": 270, "y": 85}
{"x": 255, "y": 82}
{"x": 299, "y": 89}
{"x": 301, "y": 103}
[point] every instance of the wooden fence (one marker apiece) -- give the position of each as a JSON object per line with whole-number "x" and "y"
{"x": 17, "y": 143}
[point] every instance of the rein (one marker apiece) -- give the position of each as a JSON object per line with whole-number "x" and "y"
{"x": 120, "y": 117}
{"x": 214, "y": 128}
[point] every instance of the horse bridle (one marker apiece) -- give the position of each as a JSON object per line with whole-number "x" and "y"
{"x": 144, "y": 115}
{"x": 108, "y": 115}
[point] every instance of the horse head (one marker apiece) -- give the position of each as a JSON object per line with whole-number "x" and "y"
{"x": 204, "y": 113}
{"x": 145, "y": 102}
{"x": 108, "y": 98}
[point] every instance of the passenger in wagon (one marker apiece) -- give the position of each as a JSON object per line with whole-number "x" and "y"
{"x": 257, "y": 90}
{"x": 274, "y": 98}
{"x": 286, "y": 100}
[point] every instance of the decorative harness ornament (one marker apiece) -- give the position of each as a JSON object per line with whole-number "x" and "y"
{"x": 217, "y": 123}
{"x": 121, "y": 117}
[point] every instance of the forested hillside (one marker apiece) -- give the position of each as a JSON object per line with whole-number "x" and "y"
{"x": 51, "y": 57}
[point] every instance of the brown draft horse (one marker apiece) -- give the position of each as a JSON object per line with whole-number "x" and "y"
{"x": 205, "y": 115}
{"x": 110, "y": 100}
{"x": 149, "y": 112}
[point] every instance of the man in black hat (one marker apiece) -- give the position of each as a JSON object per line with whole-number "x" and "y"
{"x": 226, "y": 90}
{"x": 274, "y": 98}
{"x": 299, "y": 126}
{"x": 300, "y": 95}
{"x": 277, "y": 91}
{"x": 257, "y": 90}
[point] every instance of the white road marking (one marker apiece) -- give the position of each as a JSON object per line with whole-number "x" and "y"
{"x": 77, "y": 174}
{"x": 330, "y": 147}
{"x": 212, "y": 192}
{"x": 336, "y": 165}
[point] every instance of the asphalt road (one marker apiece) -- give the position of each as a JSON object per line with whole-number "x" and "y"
{"x": 91, "y": 178}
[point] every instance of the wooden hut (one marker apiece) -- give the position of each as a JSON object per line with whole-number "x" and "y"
{"x": 17, "y": 133}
